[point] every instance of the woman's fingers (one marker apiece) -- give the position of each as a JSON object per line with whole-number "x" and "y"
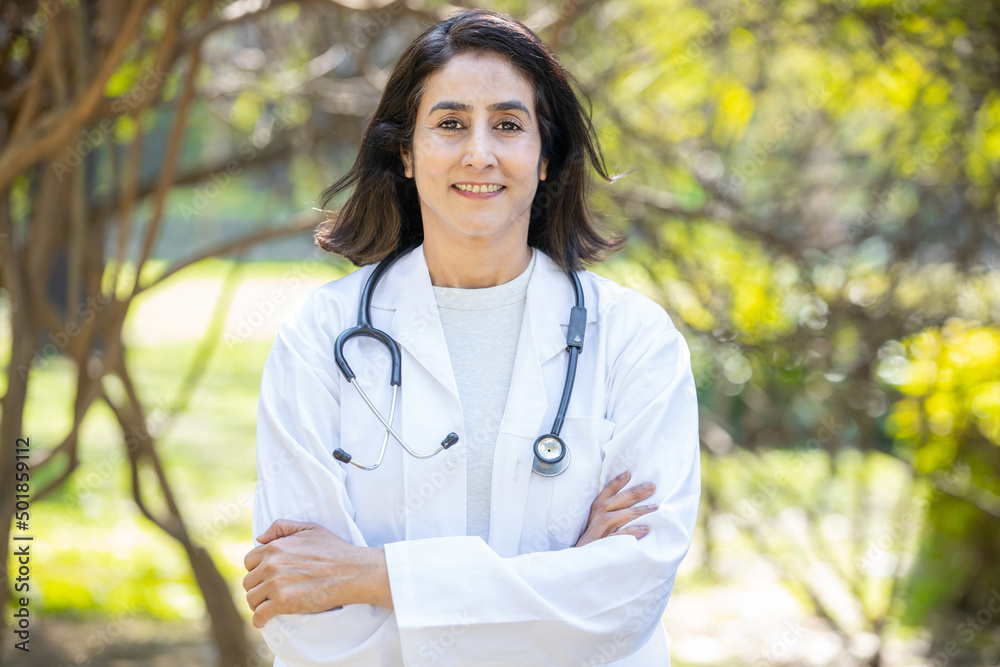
{"x": 283, "y": 528}
{"x": 613, "y": 486}
{"x": 613, "y": 508}
{"x": 636, "y": 531}
{"x": 610, "y": 523}
{"x": 256, "y": 595}
{"x": 621, "y": 499}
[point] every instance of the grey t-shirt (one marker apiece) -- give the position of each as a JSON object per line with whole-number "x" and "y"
{"x": 481, "y": 327}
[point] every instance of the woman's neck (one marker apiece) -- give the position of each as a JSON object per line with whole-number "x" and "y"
{"x": 474, "y": 267}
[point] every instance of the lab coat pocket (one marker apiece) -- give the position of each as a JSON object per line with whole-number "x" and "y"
{"x": 574, "y": 491}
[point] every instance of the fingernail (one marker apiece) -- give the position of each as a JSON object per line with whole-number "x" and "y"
{"x": 648, "y": 486}
{"x": 651, "y": 508}
{"x": 623, "y": 475}
{"x": 642, "y": 529}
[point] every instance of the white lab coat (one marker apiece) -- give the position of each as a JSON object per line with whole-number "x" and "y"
{"x": 526, "y": 598}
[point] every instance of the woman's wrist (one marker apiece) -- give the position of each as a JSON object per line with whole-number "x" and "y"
{"x": 372, "y": 578}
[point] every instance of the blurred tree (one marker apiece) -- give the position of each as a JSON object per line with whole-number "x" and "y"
{"x": 948, "y": 424}
{"x": 817, "y": 181}
{"x": 106, "y": 109}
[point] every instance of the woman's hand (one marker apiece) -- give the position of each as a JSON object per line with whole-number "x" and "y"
{"x": 303, "y": 568}
{"x": 612, "y": 510}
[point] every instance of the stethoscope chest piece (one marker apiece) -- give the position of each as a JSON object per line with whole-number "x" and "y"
{"x": 551, "y": 456}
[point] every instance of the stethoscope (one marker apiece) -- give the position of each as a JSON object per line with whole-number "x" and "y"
{"x": 551, "y": 454}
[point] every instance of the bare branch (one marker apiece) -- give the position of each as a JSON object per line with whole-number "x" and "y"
{"x": 33, "y": 84}
{"x": 299, "y": 224}
{"x": 56, "y": 128}
{"x": 206, "y": 28}
{"x": 138, "y": 191}
{"x": 174, "y": 143}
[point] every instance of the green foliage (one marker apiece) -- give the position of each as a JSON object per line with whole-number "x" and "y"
{"x": 950, "y": 380}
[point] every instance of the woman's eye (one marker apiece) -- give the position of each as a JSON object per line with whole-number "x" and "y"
{"x": 451, "y": 124}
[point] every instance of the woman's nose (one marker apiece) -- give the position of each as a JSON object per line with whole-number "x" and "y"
{"x": 479, "y": 148}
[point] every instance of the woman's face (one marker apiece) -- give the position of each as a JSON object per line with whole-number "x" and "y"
{"x": 476, "y": 129}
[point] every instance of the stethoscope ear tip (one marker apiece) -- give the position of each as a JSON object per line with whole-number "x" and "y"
{"x": 341, "y": 455}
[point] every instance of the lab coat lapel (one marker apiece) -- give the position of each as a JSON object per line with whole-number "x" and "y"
{"x": 416, "y": 323}
{"x": 549, "y": 298}
{"x": 434, "y": 489}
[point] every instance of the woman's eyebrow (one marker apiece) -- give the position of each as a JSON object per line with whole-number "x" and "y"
{"x": 496, "y": 106}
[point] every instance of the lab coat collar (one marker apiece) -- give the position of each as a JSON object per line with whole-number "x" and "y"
{"x": 416, "y": 323}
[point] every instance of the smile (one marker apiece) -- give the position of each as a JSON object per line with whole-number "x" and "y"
{"x": 478, "y": 191}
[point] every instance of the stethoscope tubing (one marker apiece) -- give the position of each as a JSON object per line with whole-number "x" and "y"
{"x": 574, "y": 346}
{"x": 385, "y": 438}
{"x": 365, "y": 327}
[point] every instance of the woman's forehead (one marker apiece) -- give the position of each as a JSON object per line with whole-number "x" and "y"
{"x": 472, "y": 80}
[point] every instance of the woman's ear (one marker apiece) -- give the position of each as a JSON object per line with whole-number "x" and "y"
{"x": 407, "y": 164}
{"x": 542, "y": 167}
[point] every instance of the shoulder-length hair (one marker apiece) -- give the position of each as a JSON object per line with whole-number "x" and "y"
{"x": 383, "y": 212}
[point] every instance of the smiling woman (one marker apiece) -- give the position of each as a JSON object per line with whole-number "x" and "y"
{"x": 508, "y": 542}
{"x": 477, "y": 164}
{"x": 446, "y": 79}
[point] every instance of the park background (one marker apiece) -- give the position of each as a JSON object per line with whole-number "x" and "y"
{"x": 811, "y": 193}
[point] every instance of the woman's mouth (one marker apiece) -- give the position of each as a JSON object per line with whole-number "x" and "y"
{"x": 478, "y": 191}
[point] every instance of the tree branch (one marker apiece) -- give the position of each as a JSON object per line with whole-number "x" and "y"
{"x": 299, "y": 224}
{"x": 56, "y": 128}
{"x": 174, "y": 143}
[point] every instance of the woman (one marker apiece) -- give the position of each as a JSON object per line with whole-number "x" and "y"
{"x": 476, "y": 156}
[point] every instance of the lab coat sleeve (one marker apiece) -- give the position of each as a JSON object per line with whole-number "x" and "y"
{"x": 458, "y": 602}
{"x": 298, "y": 417}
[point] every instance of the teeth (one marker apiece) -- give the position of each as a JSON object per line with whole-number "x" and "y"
{"x": 478, "y": 188}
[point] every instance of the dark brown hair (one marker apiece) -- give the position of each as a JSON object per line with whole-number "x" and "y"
{"x": 383, "y": 212}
